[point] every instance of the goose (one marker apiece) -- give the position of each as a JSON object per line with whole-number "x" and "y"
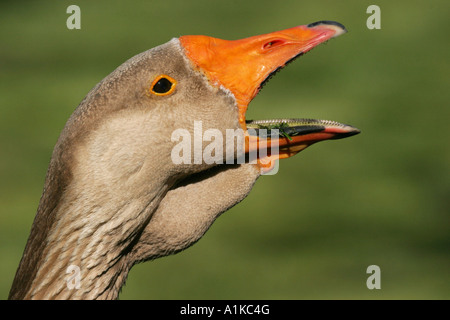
{"x": 113, "y": 196}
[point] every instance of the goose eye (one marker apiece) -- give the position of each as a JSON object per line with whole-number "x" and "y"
{"x": 163, "y": 85}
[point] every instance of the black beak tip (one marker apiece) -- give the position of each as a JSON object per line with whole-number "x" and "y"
{"x": 354, "y": 131}
{"x": 327, "y": 22}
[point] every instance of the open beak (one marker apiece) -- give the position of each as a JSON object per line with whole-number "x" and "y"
{"x": 244, "y": 66}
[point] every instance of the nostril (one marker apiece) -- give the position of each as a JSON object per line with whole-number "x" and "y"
{"x": 272, "y": 43}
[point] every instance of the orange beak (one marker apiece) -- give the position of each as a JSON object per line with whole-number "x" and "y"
{"x": 243, "y": 66}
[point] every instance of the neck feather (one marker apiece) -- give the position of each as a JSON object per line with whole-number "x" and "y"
{"x": 87, "y": 243}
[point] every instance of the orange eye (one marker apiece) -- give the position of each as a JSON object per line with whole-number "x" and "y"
{"x": 163, "y": 85}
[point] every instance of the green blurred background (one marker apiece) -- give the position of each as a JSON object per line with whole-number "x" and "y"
{"x": 308, "y": 232}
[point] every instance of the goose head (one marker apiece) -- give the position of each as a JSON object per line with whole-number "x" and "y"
{"x": 114, "y": 195}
